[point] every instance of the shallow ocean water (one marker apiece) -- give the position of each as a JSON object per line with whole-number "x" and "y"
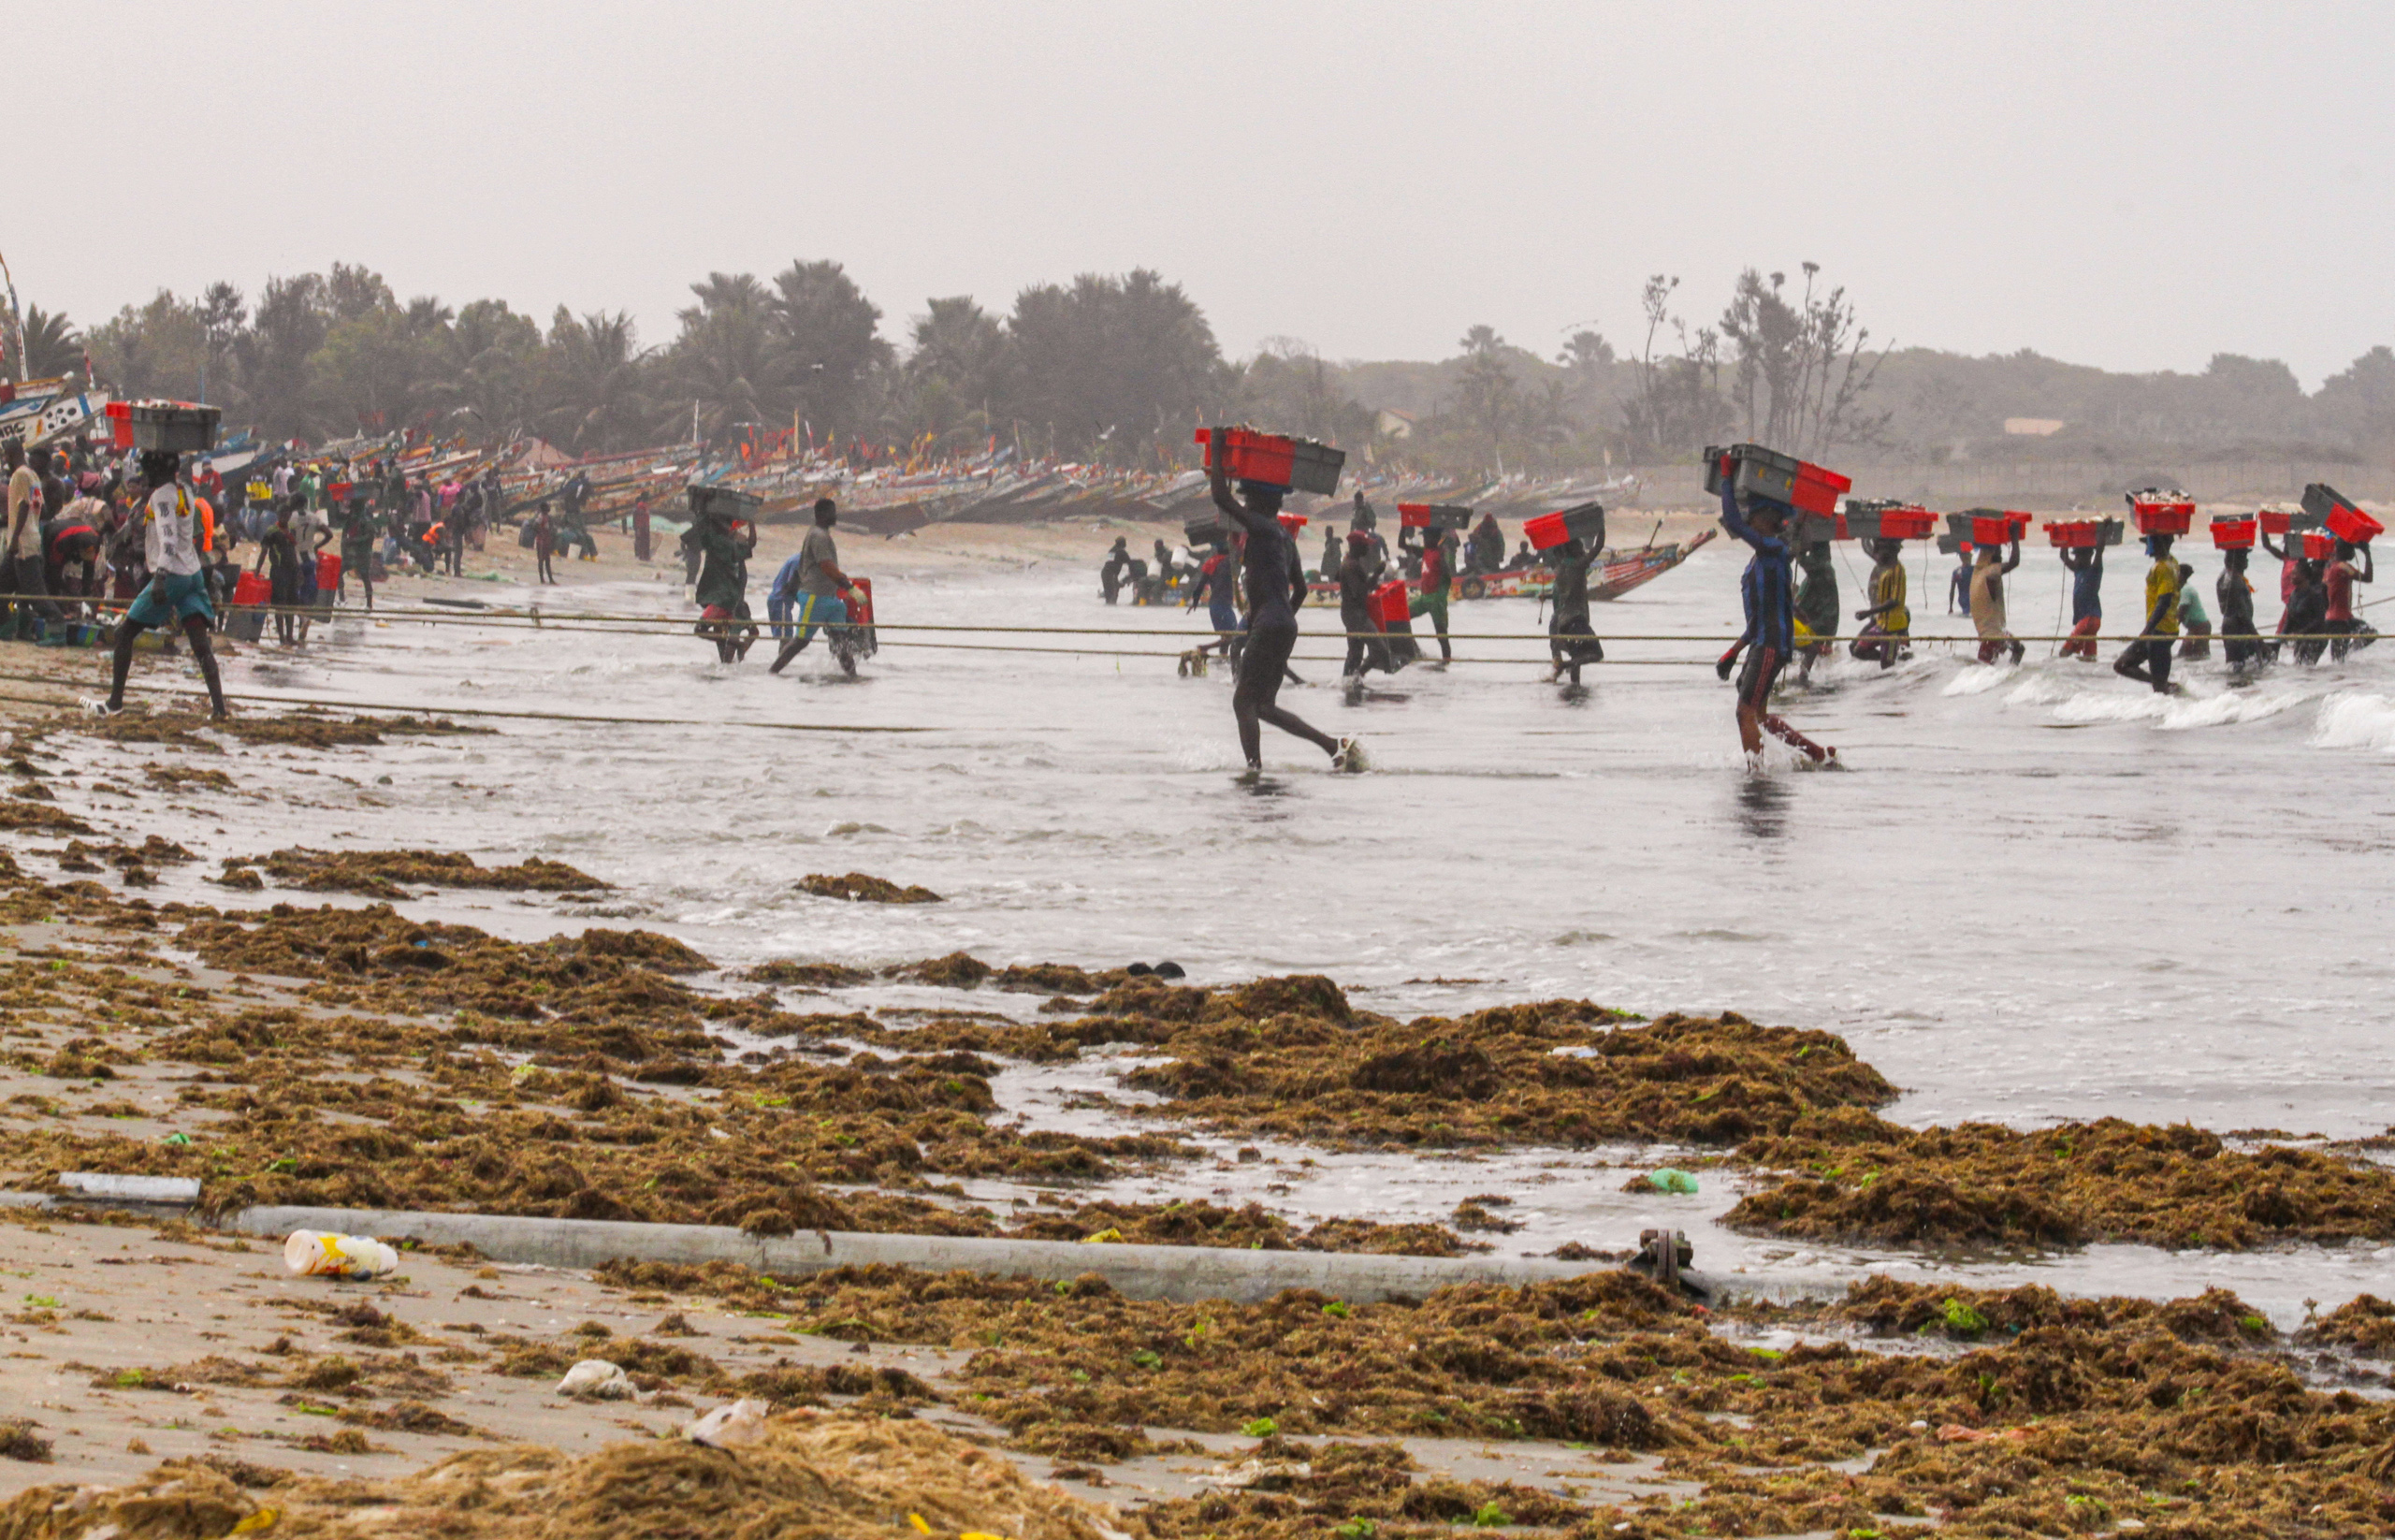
{"x": 2035, "y": 894}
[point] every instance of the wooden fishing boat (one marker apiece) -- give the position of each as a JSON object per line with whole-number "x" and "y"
{"x": 1618, "y": 572}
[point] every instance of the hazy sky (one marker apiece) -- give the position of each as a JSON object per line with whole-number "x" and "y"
{"x": 2130, "y": 186}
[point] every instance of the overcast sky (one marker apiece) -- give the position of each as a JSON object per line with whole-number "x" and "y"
{"x": 2129, "y": 185}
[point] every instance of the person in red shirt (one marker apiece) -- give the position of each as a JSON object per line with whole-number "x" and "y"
{"x": 2338, "y": 617}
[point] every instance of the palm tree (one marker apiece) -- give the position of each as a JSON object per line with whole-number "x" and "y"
{"x": 595, "y": 393}
{"x": 53, "y": 346}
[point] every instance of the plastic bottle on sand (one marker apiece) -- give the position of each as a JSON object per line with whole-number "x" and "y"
{"x": 329, "y": 1254}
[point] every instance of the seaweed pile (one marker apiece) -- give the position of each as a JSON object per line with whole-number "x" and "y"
{"x": 811, "y": 1477}
{"x": 383, "y": 874}
{"x": 434, "y": 1066}
{"x": 1862, "y": 1178}
{"x": 2003, "y": 1413}
{"x": 1292, "y": 1058}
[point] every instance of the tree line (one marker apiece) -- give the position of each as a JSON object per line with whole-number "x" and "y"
{"x": 1118, "y": 367}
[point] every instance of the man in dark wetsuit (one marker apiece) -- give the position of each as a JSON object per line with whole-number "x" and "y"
{"x": 2235, "y": 591}
{"x": 1571, "y": 561}
{"x": 1272, "y": 579}
{"x": 1487, "y": 550}
{"x": 1364, "y": 519}
{"x": 2307, "y": 608}
{"x": 1364, "y": 654}
{"x": 1816, "y": 604}
{"x": 1771, "y": 624}
{"x": 1958, "y": 582}
{"x": 1118, "y": 561}
{"x": 2086, "y": 564}
{"x": 723, "y": 587}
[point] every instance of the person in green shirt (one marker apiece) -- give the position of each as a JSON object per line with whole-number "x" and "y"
{"x": 723, "y": 586}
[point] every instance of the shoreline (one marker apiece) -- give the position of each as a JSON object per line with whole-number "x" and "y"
{"x": 306, "y": 1050}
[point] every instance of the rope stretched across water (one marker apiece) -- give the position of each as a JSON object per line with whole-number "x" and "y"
{"x": 601, "y": 624}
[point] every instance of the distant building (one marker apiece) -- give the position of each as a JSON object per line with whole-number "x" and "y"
{"x": 2032, "y": 428}
{"x": 1397, "y": 424}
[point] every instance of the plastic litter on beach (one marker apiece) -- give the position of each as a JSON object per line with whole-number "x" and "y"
{"x": 324, "y": 1253}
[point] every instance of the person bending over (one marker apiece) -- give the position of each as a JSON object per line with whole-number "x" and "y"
{"x": 1886, "y": 623}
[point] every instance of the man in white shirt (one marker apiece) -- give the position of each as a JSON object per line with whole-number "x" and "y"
{"x": 177, "y": 593}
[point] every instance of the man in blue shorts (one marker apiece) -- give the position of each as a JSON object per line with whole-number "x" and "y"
{"x": 177, "y": 593}
{"x": 818, "y": 589}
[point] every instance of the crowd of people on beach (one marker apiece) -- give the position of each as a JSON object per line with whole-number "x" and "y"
{"x": 77, "y": 532}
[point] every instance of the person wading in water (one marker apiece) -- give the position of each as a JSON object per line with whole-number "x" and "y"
{"x": 1272, "y": 572}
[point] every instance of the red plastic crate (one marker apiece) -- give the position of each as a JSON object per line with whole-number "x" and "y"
{"x": 2160, "y": 517}
{"x": 861, "y": 607}
{"x": 1249, "y": 455}
{"x": 328, "y": 571}
{"x": 1991, "y": 532}
{"x": 2350, "y": 524}
{"x": 1292, "y": 522}
{"x": 120, "y": 424}
{"x": 2318, "y": 545}
{"x": 1272, "y": 461}
{"x": 1907, "y": 524}
{"x": 2275, "y": 521}
{"x": 2073, "y": 531}
{"x": 252, "y": 589}
{"x": 1545, "y": 531}
{"x": 2233, "y": 534}
{"x": 1817, "y": 490}
{"x": 1388, "y": 603}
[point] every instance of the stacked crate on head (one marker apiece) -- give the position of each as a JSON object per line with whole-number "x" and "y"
{"x": 1751, "y": 470}
{"x": 1585, "y": 523}
{"x": 724, "y": 502}
{"x": 2339, "y": 516}
{"x": 2162, "y": 510}
{"x": 1887, "y": 519}
{"x": 2084, "y": 532}
{"x": 1433, "y": 516}
{"x": 1270, "y": 460}
{"x": 179, "y": 426}
{"x": 2234, "y": 532}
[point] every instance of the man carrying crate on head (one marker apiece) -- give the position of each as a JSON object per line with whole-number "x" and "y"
{"x": 177, "y": 593}
{"x": 1766, "y": 593}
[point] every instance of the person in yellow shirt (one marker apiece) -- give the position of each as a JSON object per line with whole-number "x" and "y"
{"x": 2147, "y": 660}
{"x": 1886, "y": 623}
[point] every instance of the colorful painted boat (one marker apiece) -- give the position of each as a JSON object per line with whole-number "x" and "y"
{"x": 1621, "y": 571}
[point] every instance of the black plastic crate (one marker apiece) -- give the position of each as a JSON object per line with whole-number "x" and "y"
{"x": 2320, "y": 500}
{"x": 1210, "y": 530}
{"x": 1315, "y": 466}
{"x": 726, "y": 501}
{"x": 180, "y": 429}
